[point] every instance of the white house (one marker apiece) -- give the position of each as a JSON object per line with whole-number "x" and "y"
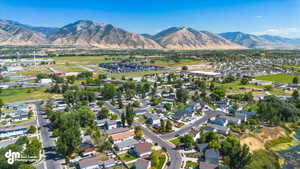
{"x": 45, "y": 81}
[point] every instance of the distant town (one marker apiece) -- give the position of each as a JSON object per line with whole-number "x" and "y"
{"x": 143, "y": 109}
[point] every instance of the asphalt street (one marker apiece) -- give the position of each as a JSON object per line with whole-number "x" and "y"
{"x": 176, "y": 159}
{"x": 111, "y": 108}
{"x": 51, "y": 158}
{"x": 187, "y": 128}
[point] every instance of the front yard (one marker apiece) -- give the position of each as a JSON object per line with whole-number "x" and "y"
{"x": 127, "y": 157}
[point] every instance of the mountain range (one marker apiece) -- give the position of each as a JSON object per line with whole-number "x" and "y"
{"x": 93, "y": 34}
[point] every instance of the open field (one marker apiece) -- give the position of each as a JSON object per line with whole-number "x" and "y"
{"x": 84, "y": 60}
{"x": 69, "y": 68}
{"x": 136, "y": 74}
{"x": 71, "y": 64}
{"x": 181, "y": 62}
{"x": 281, "y": 78}
{"x": 15, "y": 95}
{"x": 237, "y": 88}
{"x": 257, "y": 141}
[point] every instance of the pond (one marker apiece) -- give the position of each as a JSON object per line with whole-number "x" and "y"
{"x": 292, "y": 155}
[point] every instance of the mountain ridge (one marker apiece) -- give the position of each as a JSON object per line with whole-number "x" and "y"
{"x": 261, "y": 41}
{"x": 94, "y": 34}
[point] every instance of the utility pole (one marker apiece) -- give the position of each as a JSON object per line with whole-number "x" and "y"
{"x": 34, "y": 58}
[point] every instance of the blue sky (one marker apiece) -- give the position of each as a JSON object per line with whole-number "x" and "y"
{"x": 277, "y": 17}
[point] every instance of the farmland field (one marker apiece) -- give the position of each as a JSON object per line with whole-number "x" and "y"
{"x": 281, "y": 78}
{"x": 15, "y": 95}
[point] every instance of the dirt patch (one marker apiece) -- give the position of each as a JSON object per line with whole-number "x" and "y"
{"x": 258, "y": 141}
{"x": 197, "y": 67}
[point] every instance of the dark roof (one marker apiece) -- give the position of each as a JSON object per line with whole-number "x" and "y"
{"x": 116, "y": 131}
{"x": 86, "y": 145}
{"x": 212, "y": 153}
{"x": 183, "y": 112}
{"x": 202, "y": 147}
{"x": 217, "y": 127}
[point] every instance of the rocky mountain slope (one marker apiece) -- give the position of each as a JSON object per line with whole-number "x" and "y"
{"x": 261, "y": 42}
{"x": 89, "y": 33}
{"x": 93, "y": 34}
{"x": 182, "y": 38}
{"x": 11, "y": 34}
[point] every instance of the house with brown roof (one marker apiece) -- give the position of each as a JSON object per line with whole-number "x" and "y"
{"x": 120, "y": 137}
{"x": 142, "y": 149}
{"x": 142, "y": 164}
{"x": 207, "y": 165}
{"x": 89, "y": 163}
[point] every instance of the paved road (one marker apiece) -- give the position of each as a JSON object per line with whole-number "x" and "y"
{"x": 111, "y": 108}
{"x": 86, "y": 68}
{"x": 5, "y": 143}
{"x": 176, "y": 159}
{"x": 19, "y": 125}
{"x": 187, "y": 128}
{"x": 51, "y": 157}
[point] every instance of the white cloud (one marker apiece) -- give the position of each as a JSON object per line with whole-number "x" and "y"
{"x": 285, "y": 32}
{"x": 259, "y": 16}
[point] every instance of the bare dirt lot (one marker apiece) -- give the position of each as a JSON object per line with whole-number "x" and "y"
{"x": 257, "y": 141}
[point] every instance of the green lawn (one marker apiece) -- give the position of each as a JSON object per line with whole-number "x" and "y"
{"x": 15, "y": 95}
{"x": 190, "y": 164}
{"x": 282, "y": 78}
{"x": 264, "y": 159}
{"x": 236, "y": 88}
{"x": 175, "y": 141}
{"x": 127, "y": 157}
{"x": 162, "y": 160}
{"x": 70, "y": 68}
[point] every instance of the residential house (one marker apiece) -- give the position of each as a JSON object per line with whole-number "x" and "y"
{"x": 142, "y": 164}
{"x": 141, "y": 111}
{"x": 244, "y": 116}
{"x": 87, "y": 149}
{"x": 220, "y": 122}
{"x": 142, "y": 149}
{"x": 152, "y": 118}
{"x": 117, "y": 131}
{"x": 117, "y": 138}
{"x": 109, "y": 163}
{"x": 207, "y": 165}
{"x": 101, "y": 123}
{"x": 195, "y": 134}
{"x": 187, "y": 112}
{"x": 212, "y": 156}
{"x": 126, "y": 145}
{"x": 111, "y": 124}
{"x": 13, "y": 132}
{"x": 231, "y": 120}
{"x": 45, "y": 81}
{"x": 216, "y": 128}
{"x": 202, "y": 147}
{"x": 89, "y": 163}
